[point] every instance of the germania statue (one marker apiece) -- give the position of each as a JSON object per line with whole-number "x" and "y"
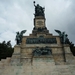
{"x": 39, "y": 11}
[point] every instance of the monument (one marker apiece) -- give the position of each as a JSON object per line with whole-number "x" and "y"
{"x": 40, "y": 53}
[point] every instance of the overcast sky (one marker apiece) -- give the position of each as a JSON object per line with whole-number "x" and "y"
{"x": 17, "y": 15}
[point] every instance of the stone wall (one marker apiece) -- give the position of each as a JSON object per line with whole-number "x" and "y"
{"x": 38, "y": 66}
{"x": 54, "y": 64}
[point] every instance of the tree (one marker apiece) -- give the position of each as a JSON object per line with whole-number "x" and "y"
{"x": 6, "y": 50}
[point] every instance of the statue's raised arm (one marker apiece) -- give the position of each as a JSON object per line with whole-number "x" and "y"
{"x": 34, "y": 3}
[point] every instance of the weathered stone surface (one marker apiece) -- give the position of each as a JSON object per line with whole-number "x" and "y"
{"x": 39, "y": 66}
{"x": 17, "y": 49}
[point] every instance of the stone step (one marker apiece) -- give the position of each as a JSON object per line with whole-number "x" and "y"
{"x": 39, "y": 70}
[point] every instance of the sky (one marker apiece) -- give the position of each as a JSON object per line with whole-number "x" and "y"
{"x": 18, "y": 15}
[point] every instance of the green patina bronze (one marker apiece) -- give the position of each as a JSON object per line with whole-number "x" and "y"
{"x": 39, "y": 11}
{"x": 19, "y": 36}
{"x": 63, "y": 37}
{"x": 42, "y": 51}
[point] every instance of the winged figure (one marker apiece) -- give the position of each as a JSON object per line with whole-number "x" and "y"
{"x": 59, "y": 32}
{"x": 63, "y": 37}
{"x": 19, "y": 36}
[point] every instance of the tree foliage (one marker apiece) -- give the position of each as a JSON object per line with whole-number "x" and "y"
{"x": 6, "y": 50}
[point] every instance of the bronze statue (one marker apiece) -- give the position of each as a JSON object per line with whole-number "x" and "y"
{"x": 39, "y": 11}
{"x": 19, "y": 36}
{"x": 42, "y": 51}
{"x": 63, "y": 37}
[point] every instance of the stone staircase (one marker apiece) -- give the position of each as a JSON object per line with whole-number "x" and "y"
{"x": 39, "y": 66}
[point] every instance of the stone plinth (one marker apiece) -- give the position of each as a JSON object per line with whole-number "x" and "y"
{"x": 16, "y": 55}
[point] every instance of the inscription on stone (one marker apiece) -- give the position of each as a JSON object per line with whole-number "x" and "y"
{"x": 39, "y": 22}
{"x": 41, "y": 40}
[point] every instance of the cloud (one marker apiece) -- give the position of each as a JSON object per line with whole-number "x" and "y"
{"x": 17, "y": 15}
{"x": 60, "y": 15}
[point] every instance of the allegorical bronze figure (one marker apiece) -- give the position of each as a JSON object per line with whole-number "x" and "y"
{"x": 19, "y": 36}
{"x": 39, "y": 11}
{"x": 63, "y": 37}
{"x": 42, "y": 51}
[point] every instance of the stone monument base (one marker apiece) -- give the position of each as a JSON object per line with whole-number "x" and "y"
{"x": 38, "y": 66}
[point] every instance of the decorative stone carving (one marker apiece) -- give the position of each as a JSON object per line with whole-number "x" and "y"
{"x": 42, "y": 51}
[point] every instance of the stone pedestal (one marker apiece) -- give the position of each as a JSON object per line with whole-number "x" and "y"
{"x": 39, "y": 26}
{"x": 16, "y": 55}
{"x": 39, "y": 21}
